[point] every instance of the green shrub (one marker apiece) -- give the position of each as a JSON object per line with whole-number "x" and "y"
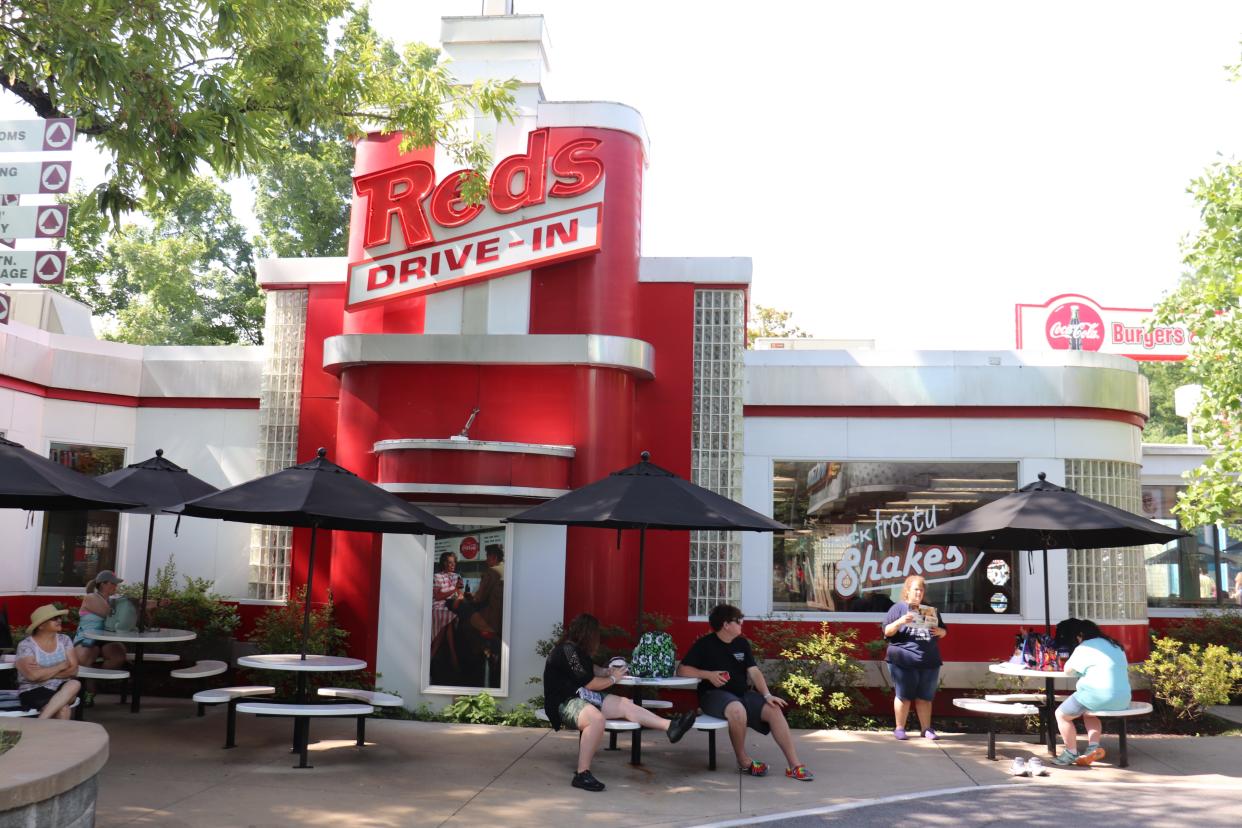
{"x": 818, "y": 673}
{"x": 1187, "y": 678}
{"x": 522, "y": 715}
{"x": 1223, "y": 627}
{"x": 279, "y": 629}
{"x": 193, "y": 606}
{"x": 477, "y": 709}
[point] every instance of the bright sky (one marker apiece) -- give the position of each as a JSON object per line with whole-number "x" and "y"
{"x": 907, "y": 171}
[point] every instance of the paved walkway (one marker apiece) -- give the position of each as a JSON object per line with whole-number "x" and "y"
{"x": 167, "y": 768}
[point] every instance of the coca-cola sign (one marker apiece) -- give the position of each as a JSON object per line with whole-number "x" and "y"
{"x": 1073, "y": 326}
{"x": 1071, "y": 322}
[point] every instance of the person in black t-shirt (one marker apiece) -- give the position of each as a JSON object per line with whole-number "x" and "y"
{"x": 724, "y": 664}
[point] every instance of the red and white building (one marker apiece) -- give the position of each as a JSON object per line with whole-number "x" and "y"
{"x": 480, "y": 360}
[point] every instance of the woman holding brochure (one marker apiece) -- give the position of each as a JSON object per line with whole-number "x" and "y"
{"x": 912, "y": 630}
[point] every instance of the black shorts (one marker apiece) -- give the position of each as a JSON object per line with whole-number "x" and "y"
{"x": 36, "y": 698}
{"x": 715, "y": 701}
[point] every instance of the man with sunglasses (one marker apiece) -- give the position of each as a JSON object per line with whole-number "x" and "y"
{"x": 723, "y": 662}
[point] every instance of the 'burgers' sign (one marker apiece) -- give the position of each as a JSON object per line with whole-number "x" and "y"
{"x": 543, "y": 206}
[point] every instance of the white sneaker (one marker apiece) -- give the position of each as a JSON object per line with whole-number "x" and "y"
{"x": 1035, "y": 767}
{"x": 1019, "y": 767}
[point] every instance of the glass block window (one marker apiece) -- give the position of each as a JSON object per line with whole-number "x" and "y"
{"x": 1107, "y": 584}
{"x": 716, "y": 441}
{"x": 284, "y": 331}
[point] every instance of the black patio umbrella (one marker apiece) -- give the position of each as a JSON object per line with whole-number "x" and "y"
{"x": 642, "y": 497}
{"x": 31, "y": 481}
{"x": 1042, "y": 515}
{"x": 160, "y": 485}
{"x": 320, "y": 495}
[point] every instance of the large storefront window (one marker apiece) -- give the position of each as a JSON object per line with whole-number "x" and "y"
{"x": 467, "y": 608}
{"x": 1197, "y": 571}
{"x": 76, "y": 545}
{"x": 855, "y": 529}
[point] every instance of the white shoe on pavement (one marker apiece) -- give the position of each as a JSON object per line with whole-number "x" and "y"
{"x": 1035, "y": 767}
{"x": 1018, "y": 767}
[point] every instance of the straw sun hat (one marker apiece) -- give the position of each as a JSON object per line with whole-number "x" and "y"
{"x": 44, "y": 613}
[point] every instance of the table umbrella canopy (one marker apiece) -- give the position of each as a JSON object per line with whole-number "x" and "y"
{"x": 642, "y": 497}
{"x": 160, "y": 485}
{"x": 31, "y": 481}
{"x": 157, "y": 483}
{"x": 1043, "y": 515}
{"x": 319, "y": 494}
{"x": 645, "y": 496}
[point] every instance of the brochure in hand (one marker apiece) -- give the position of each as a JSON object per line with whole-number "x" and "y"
{"x": 926, "y": 618}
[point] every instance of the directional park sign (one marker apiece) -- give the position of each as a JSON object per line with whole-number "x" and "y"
{"x": 32, "y": 267}
{"x": 42, "y": 221}
{"x": 34, "y": 177}
{"x": 50, "y": 135}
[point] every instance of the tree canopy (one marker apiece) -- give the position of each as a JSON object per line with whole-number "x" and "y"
{"x": 166, "y": 87}
{"x": 184, "y": 275}
{"x": 1206, "y": 301}
{"x": 1163, "y": 379}
{"x": 771, "y": 322}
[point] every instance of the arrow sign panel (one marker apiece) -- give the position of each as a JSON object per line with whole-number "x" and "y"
{"x": 34, "y": 177}
{"x": 43, "y": 221}
{"x": 32, "y": 267}
{"x": 9, "y": 201}
{"x": 51, "y": 135}
{"x": 4, "y": 308}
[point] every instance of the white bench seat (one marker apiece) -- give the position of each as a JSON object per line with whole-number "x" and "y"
{"x": 100, "y": 674}
{"x": 223, "y": 695}
{"x": 153, "y": 657}
{"x": 278, "y": 709}
{"x": 202, "y": 669}
{"x": 1136, "y": 708}
{"x": 709, "y": 725}
{"x": 656, "y": 704}
{"x": 1029, "y": 698}
{"x": 371, "y": 697}
{"x": 994, "y": 710}
{"x": 302, "y": 714}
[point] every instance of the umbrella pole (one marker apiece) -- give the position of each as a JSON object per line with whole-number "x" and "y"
{"x": 1047, "y": 611}
{"x": 642, "y": 544}
{"x": 146, "y": 576}
{"x": 310, "y": 576}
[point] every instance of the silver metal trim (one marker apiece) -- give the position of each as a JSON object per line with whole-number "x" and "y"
{"x": 944, "y": 378}
{"x": 471, "y": 489}
{"x": 451, "y": 444}
{"x": 633, "y": 356}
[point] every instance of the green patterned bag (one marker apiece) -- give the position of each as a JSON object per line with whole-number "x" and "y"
{"x": 654, "y": 657}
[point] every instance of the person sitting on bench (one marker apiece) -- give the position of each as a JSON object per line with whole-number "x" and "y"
{"x": 1105, "y": 685}
{"x": 46, "y": 665}
{"x": 573, "y": 693}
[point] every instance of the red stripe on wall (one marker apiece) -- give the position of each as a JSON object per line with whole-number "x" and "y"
{"x": 1002, "y": 412}
{"x": 124, "y": 401}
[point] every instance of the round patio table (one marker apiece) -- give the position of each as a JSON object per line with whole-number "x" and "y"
{"x": 1007, "y": 669}
{"x": 660, "y": 683}
{"x": 151, "y": 635}
{"x": 294, "y": 663}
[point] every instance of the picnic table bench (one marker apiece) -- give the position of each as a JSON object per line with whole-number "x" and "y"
{"x": 613, "y": 727}
{"x": 302, "y": 714}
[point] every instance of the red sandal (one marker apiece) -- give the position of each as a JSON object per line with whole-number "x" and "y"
{"x": 801, "y": 772}
{"x": 755, "y": 768}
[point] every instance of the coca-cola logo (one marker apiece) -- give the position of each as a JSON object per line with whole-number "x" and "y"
{"x": 469, "y": 548}
{"x": 1074, "y": 326}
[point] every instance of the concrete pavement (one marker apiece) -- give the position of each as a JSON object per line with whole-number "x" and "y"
{"x": 167, "y": 768}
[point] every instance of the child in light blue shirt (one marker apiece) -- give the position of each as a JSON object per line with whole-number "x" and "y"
{"x": 1104, "y": 685}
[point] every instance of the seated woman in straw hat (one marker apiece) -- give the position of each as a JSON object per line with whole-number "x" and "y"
{"x": 47, "y": 665}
